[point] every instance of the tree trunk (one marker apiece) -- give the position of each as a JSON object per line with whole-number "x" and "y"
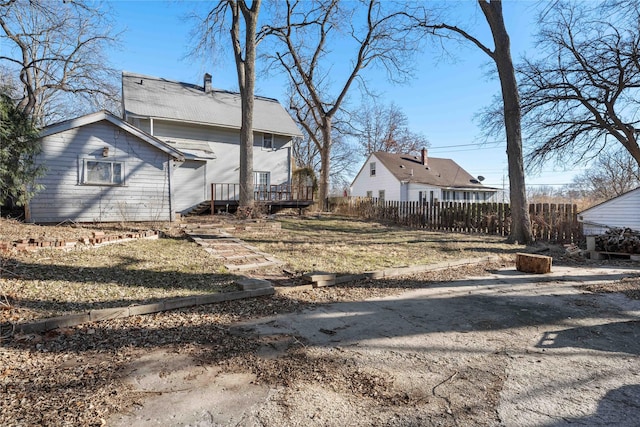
{"x": 246, "y": 83}
{"x": 520, "y": 221}
{"x": 325, "y": 160}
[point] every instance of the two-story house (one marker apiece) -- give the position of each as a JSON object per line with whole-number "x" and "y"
{"x": 403, "y": 177}
{"x": 204, "y": 124}
{"x": 174, "y": 141}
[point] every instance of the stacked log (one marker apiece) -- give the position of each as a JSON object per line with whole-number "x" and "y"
{"x": 619, "y": 240}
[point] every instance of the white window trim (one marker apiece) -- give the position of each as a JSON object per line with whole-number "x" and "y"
{"x": 85, "y": 172}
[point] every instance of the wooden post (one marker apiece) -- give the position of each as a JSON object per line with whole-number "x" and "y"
{"x": 213, "y": 198}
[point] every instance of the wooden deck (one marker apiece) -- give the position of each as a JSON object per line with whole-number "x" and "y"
{"x": 225, "y": 197}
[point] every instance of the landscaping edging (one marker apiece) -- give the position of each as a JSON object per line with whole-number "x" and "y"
{"x": 66, "y": 321}
{"x": 382, "y": 274}
{"x": 261, "y": 288}
{"x": 97, "y": 239}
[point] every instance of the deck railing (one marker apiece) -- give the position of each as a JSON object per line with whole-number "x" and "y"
{"x": 264, "y": 193}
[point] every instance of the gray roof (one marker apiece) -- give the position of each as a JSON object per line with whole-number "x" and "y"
{"x": 146, "y": 96}
{"x": 439, "y": 172}
{"x": 107, "y": 116}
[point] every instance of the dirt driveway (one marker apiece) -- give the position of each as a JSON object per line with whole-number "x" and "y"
{"x": 504, "y": 349}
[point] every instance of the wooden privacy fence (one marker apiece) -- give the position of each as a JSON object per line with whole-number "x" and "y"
{"x": 549, "y": 222}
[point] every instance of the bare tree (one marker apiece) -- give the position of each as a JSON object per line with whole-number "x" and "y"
{"x": 242, "y": 24}
{"x": 379, "y": 127}
{"x": 367, "y": 31}
{"x": 307, "y": 154}
{"x": 56, "y": 49}
{"x": 612, "y": 174}
{"x": 501, "y": 56}
{"x": 582, "y": 95}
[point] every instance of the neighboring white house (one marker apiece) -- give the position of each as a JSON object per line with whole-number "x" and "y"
{"x": 620, "y": 212}
{"x": 204, "y": 124}
{"x": 100, "y": 168}
{"x": 403, "y": 177}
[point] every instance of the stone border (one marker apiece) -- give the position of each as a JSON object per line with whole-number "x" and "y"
{"x": 98, "y": 239}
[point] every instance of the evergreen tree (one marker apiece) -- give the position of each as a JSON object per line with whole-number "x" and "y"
{"x": 18, "y": 148}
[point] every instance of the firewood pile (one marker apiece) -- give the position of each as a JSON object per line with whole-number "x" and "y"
{"x": 619, "y": 240}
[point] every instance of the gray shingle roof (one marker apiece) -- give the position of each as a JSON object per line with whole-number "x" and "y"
{"x": 146, "y": 96}
{"x": 439, "y": 172}
{"x": 107, "y": 116}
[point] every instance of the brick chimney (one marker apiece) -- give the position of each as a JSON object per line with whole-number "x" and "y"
{"x": 424, "y": 159}
{"x": 207, "y": 83}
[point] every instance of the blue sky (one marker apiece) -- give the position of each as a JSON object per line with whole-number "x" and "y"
{"x": 440, "y": 102}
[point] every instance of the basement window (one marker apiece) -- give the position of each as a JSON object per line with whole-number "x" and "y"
{"x": 100, "y": 172}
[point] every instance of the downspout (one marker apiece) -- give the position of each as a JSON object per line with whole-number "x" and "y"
{"x": 169, "y": 173}
{"x": 289, "y": 167}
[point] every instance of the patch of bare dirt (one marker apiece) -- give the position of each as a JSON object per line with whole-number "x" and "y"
{"x": 630, "y": 287}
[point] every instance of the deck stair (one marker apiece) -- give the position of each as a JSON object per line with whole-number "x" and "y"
{"x": 198, "y": 209}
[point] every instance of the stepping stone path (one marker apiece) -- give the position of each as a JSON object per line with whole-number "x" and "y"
{"x": 236, "y": 254}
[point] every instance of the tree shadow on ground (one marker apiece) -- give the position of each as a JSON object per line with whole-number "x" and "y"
{"x": 484, "y": 304}
{"x": 462, "y": 308}
{"x": 619, "y": 407}
{"x": 614, "y": 337}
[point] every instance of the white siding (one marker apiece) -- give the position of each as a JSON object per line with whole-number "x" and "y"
{"x": 623, "y": 212}
{"x": 415, "y": 189}
{"x": 225, "y": 144}
{"x": 144, "y": 196}
{"x": 383, "y": 180}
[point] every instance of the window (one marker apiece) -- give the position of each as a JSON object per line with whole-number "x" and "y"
{"x": 372, "y": 169}
{"x": 370, "y": 194}
{"x": 267, "y": 141}
{"x": 103, "y": 172}
{"x": 381, "y": 195}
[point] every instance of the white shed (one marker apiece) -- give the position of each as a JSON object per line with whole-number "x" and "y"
{"x": 620, "y": 212}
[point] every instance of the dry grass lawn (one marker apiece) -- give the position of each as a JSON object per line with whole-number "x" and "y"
{"x": 50, "y": 282}
{"x": 343, "y": 245}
